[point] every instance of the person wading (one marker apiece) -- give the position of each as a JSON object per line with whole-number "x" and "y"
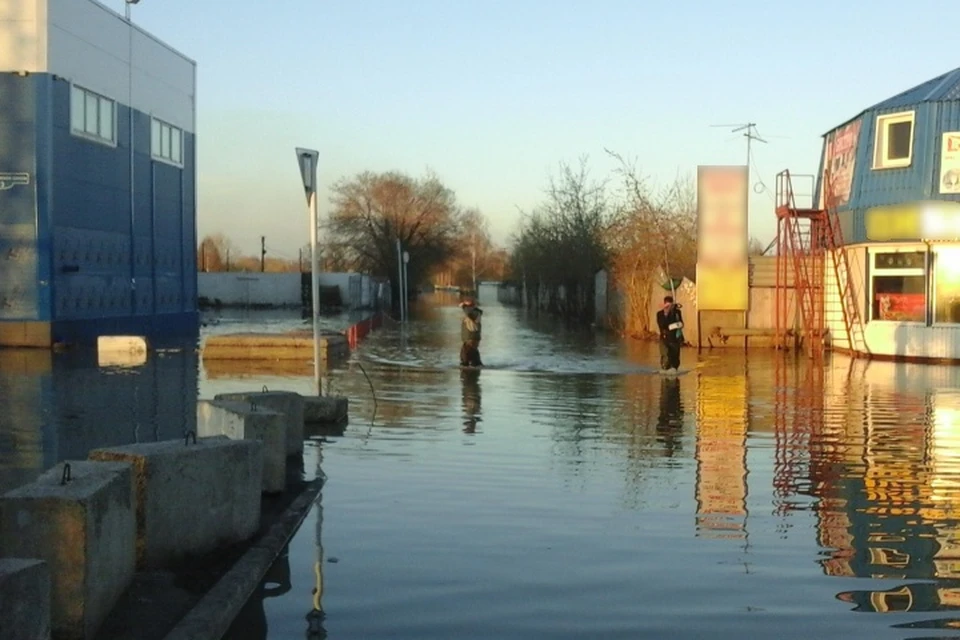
{"x": 670, "y": 323}
{"x": 470, "y": 330}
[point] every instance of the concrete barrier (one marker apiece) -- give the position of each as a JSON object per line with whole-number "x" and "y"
{"x": 80, "y": 519}
{"x": 325, "y": 409}
{"x": 297, "y": 345}
{"x": 288, "y": 403}
{"x": 240, "y": 420}
{"x": 24, "y": 600}
{"x": 192, "y": 496}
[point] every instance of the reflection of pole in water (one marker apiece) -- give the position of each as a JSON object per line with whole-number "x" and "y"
{"x": 315, "y": 628}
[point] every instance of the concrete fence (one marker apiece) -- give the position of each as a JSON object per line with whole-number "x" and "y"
{"x": 279, "y": 290}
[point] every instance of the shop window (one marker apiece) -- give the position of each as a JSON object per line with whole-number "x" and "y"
{"x": 893, "y": 144}
{"x": 898, "y": 286}
{"x": 946, "y": 285}
{"x": 92, "y": 115}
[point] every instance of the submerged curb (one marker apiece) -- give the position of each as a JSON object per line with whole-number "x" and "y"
{"x": 211, "y": 618}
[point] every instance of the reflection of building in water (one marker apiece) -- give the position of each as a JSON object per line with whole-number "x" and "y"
{"x": 60, "y": 406}
{"x": 721, "y": 488}
{"x": 888, "y": 495}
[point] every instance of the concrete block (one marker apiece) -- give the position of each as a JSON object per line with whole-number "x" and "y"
{"x": 288, "y": 403}
{"x": 121, "y": 351}
{"x": 325, "y": 409}
{"x": 24, "y": 600}
{"x": 192, "y": 496}
{"x": 245, "y": 421}
{"x": 85, "y": 530}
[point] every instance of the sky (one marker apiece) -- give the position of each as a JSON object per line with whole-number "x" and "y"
{"x": 492, "y": 95}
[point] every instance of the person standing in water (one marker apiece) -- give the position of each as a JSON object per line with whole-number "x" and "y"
{"x": 670, "y": 324}
{"x": 470, "y": 334}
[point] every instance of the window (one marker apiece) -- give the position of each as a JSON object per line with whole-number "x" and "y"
{"x": 166, "y": 142}
{"x": 893, "y": 144}
{"x": 946, "y": 285}
{"x": 92, "y": 115}
{"x": 898, "y": 286}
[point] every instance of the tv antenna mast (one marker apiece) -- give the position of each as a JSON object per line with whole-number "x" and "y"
{"x": 748, "y": 131}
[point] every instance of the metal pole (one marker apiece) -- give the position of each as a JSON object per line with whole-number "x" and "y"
{"x": 315, "y": 289}
{"x": 406, "y": 288}
{"x": 133, "y": 230}
{"x": 400, "y": 277}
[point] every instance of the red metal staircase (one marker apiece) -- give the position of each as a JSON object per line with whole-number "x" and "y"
{"x": 806, "y": 238}
{"x": 847, "y": 293}
{"x": 800, "y": 268}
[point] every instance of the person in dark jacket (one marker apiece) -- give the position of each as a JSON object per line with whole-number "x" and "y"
{"x": 670, "y": 324}
{"x": 470, "y": 334}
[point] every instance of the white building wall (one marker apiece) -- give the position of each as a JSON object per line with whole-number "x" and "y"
{"x": 92, "y": 46}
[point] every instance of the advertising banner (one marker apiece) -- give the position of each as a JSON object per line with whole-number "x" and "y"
{"x": 840, "y": 150}
{"x": 722, "y": 268}
{"x": 950, "y": 163}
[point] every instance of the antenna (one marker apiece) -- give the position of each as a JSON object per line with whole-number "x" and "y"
{"x": 749, "y": 130}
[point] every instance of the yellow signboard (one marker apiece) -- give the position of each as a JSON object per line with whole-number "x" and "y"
{"x": 723, "y": 288}
{"x": 722, "y": 271}
{"x": 924, "y": 220}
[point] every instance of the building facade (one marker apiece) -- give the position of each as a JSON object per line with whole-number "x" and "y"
{"x": 895, "y": 182}
{"x": 97, "y": 177}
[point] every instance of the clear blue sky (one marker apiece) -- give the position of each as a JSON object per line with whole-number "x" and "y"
{"x": 493, "y": 94}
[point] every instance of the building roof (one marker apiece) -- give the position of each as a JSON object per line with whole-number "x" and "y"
{"x": 944, "y": 87}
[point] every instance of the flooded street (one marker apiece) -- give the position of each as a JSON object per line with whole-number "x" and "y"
{"x": 568, "y": 490}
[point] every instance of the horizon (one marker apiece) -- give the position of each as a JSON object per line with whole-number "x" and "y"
{"x": 493, "y": 107}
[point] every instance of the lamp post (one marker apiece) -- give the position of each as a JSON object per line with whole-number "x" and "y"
{"x": 307, "y": 159}
{"x": 130, "y": 138}
{"x": 406, "y": 288}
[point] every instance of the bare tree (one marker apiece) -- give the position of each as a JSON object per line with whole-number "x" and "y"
{"x": 653, "y": 240}
{"x": 371, "y": 211}
{"x": 561, "y": 245}
{"x": 215, "y": 253}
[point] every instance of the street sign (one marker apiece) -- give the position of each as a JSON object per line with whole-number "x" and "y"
{"x": 307, "y": 159}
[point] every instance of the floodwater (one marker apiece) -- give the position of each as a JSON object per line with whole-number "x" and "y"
{"x": 568, "y": 490}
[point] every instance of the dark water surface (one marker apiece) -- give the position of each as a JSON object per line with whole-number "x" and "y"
{"x": 567, "y": 491}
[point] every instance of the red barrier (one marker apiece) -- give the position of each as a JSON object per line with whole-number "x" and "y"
{"x": 357, "y": 332}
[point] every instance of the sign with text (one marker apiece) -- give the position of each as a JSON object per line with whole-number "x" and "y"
{"x": 722, "y": 271}
{"x": 950, "y": 162}
{"x": 840, "y": 149}
{"x": 934, "y": 220}
{"x": 10, "y": 180}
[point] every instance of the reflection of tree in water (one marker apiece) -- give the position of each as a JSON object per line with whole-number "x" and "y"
{"x": 470, "y": 384}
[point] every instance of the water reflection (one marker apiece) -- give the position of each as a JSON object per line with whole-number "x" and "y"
{"x": 470, "y": 384}
{"x": 883, "y": 462}
{"x": 721, "y": 484}
{"x": 60, "y": 406}
{"x": 670, "y": 420}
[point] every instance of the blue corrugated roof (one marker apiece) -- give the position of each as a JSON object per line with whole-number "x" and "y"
{"x": 943, "y": 87}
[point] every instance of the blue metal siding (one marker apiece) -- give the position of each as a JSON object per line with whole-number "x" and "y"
{"x": 114, "y": 272}
{"x": 19, "y": 256}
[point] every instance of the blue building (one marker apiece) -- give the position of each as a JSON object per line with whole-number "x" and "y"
{"x": 895, "y": 181}
{"x": 97, "y": 177}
